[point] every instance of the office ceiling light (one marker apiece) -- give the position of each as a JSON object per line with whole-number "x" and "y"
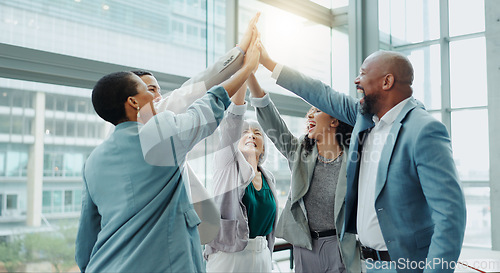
{"x": 105, "y": 7}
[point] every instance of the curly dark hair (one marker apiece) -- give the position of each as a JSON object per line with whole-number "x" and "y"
{"x": 141, "y": 73}
{"x": 343, "y": 136}
{"x": 110, "y": 94}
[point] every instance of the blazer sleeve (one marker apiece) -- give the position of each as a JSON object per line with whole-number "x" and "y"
{"x": 171, "y": 134}
{"x": 180, "y": 99}
{"x": 320, "y": 95}
{"x": 438, "y": 175}
{"x": 88, "y": 229}
{"x": 230, "y": 133}
{"x": 228, "y": 157}
{"x": 275, "y": 127}
{"x": 221, "y": 70}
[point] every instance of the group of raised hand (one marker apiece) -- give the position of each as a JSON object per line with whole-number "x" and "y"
{"x": 255, "y": 51}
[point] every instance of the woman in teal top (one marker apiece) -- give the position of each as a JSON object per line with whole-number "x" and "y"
{"x": 261, "y": 210}
{"x": 246, "y": 195}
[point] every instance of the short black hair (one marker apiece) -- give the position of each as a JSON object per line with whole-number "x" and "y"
{"x": 141, "y": 73}
{"x": 110, "y": 94}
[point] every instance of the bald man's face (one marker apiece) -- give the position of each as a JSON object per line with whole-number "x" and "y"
{"x": 369, "y": 82}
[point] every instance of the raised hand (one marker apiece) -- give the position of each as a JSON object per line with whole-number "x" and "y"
{"x": 252, "y": 56}
{"x": 265, "y": 59}
{"x": 250, "y": 33}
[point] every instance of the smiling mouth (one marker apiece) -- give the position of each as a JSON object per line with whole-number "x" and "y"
{"x": 251, "y": 144}
{"x": 310, "y": 126}
{"x": 360, "y": 89}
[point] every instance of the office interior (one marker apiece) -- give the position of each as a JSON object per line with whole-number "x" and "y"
{"x": 53, "y": 52}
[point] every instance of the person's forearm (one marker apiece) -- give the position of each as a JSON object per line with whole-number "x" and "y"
{"x": 239, "y": 97}
{"x": 234, "y": 83}
{"x": 269, "y": 64}
{"x": 255, "y": 88}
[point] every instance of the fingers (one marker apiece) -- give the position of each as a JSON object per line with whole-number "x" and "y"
{"x": 255, "y": 19}
{"x": 250, "y": 32}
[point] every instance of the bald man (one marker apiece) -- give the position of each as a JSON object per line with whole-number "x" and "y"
{"x": 403, "y": 196}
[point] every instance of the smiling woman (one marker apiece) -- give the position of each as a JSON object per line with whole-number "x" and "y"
{"x": 246, "y": 194}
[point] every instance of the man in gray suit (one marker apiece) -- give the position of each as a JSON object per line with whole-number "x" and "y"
{"x": 403, "y": 195}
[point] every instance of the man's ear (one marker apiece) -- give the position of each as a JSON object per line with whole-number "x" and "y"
{"x": 388, "y": 82}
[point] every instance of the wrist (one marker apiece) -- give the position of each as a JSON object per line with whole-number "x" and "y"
{"x": 269, "y": 64}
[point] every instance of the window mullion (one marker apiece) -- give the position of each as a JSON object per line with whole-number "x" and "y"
{"x": 445, "y": 65}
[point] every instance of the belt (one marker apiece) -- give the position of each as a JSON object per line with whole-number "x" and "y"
{"x": 376, "y": 255}
{"x": 319, "y": 234}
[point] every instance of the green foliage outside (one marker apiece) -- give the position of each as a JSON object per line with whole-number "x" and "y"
{"x": 57, "y": 248}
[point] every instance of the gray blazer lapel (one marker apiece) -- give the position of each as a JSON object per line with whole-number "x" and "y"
{"x": 298, "y": 190}
{"x": 341, "y": 187}
{"x": 386, "y": 155}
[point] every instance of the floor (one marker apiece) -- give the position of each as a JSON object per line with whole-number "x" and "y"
{"x": 487, "y": 261}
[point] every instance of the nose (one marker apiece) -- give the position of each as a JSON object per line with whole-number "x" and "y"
{"x": 356, "y": 81}
{"x": 310, "y": 114}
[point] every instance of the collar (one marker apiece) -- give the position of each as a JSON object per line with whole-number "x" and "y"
{"x": 392, "y": 114}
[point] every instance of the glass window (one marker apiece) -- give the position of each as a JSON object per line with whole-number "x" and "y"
{"x": 49, "y": 102}
{"x": 468, "y": 73}
{"x": 57, "y": 201}
{"x": 17, "y": 125}
{"x": 71, "y": 105}
{"x": 92, "y": 131}
{"x": 49, "y": 126}
{"x": 82, "y": 105}
{"x": 70, "y": 129}
{"x": 426, "y": 63}
{"x": 81, "y": 129}
{"x": 18, "y": 100}
{"x": 470, "y": 144}
{"x": 78, "y": 199}
{"x": 340, "y": 61}
{"x": 73, "y": 163}
{"x": 2, "y": 163}
{"x": 11, "y": 201}
{"x": 6, "y": 96}
{"x": 17, "y": 162}
{"x": 409, "y": 21}
{"x": 47, "y": 202}
{"x": 60, "y": 103}
{"x": 52, "y": 164}
{"x": 311, "y": 54}
{"x": 59, "y": 128}
{"x": 68, "y": 201}
{"x": 466, "y": 17}
{"x": 478, "y": 229}
{"x": 128, "y": 34}
{"x": 5, "y": 124}
{"x": 192, "y": 30}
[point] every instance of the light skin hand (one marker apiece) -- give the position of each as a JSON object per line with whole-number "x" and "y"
{"x": 250, "y": 33}
{"x": 239, "y": 97}
{"x": 255, "y": 88}
{"x": 250, "y": 62}
{"x": 253, "y": 55}
{"x": 266, "y": 60}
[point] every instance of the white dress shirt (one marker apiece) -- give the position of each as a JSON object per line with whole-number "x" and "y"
{"x": 368, "y": 226}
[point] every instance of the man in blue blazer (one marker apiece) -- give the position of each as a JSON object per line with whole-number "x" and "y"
{"x": 403, "y": 195}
